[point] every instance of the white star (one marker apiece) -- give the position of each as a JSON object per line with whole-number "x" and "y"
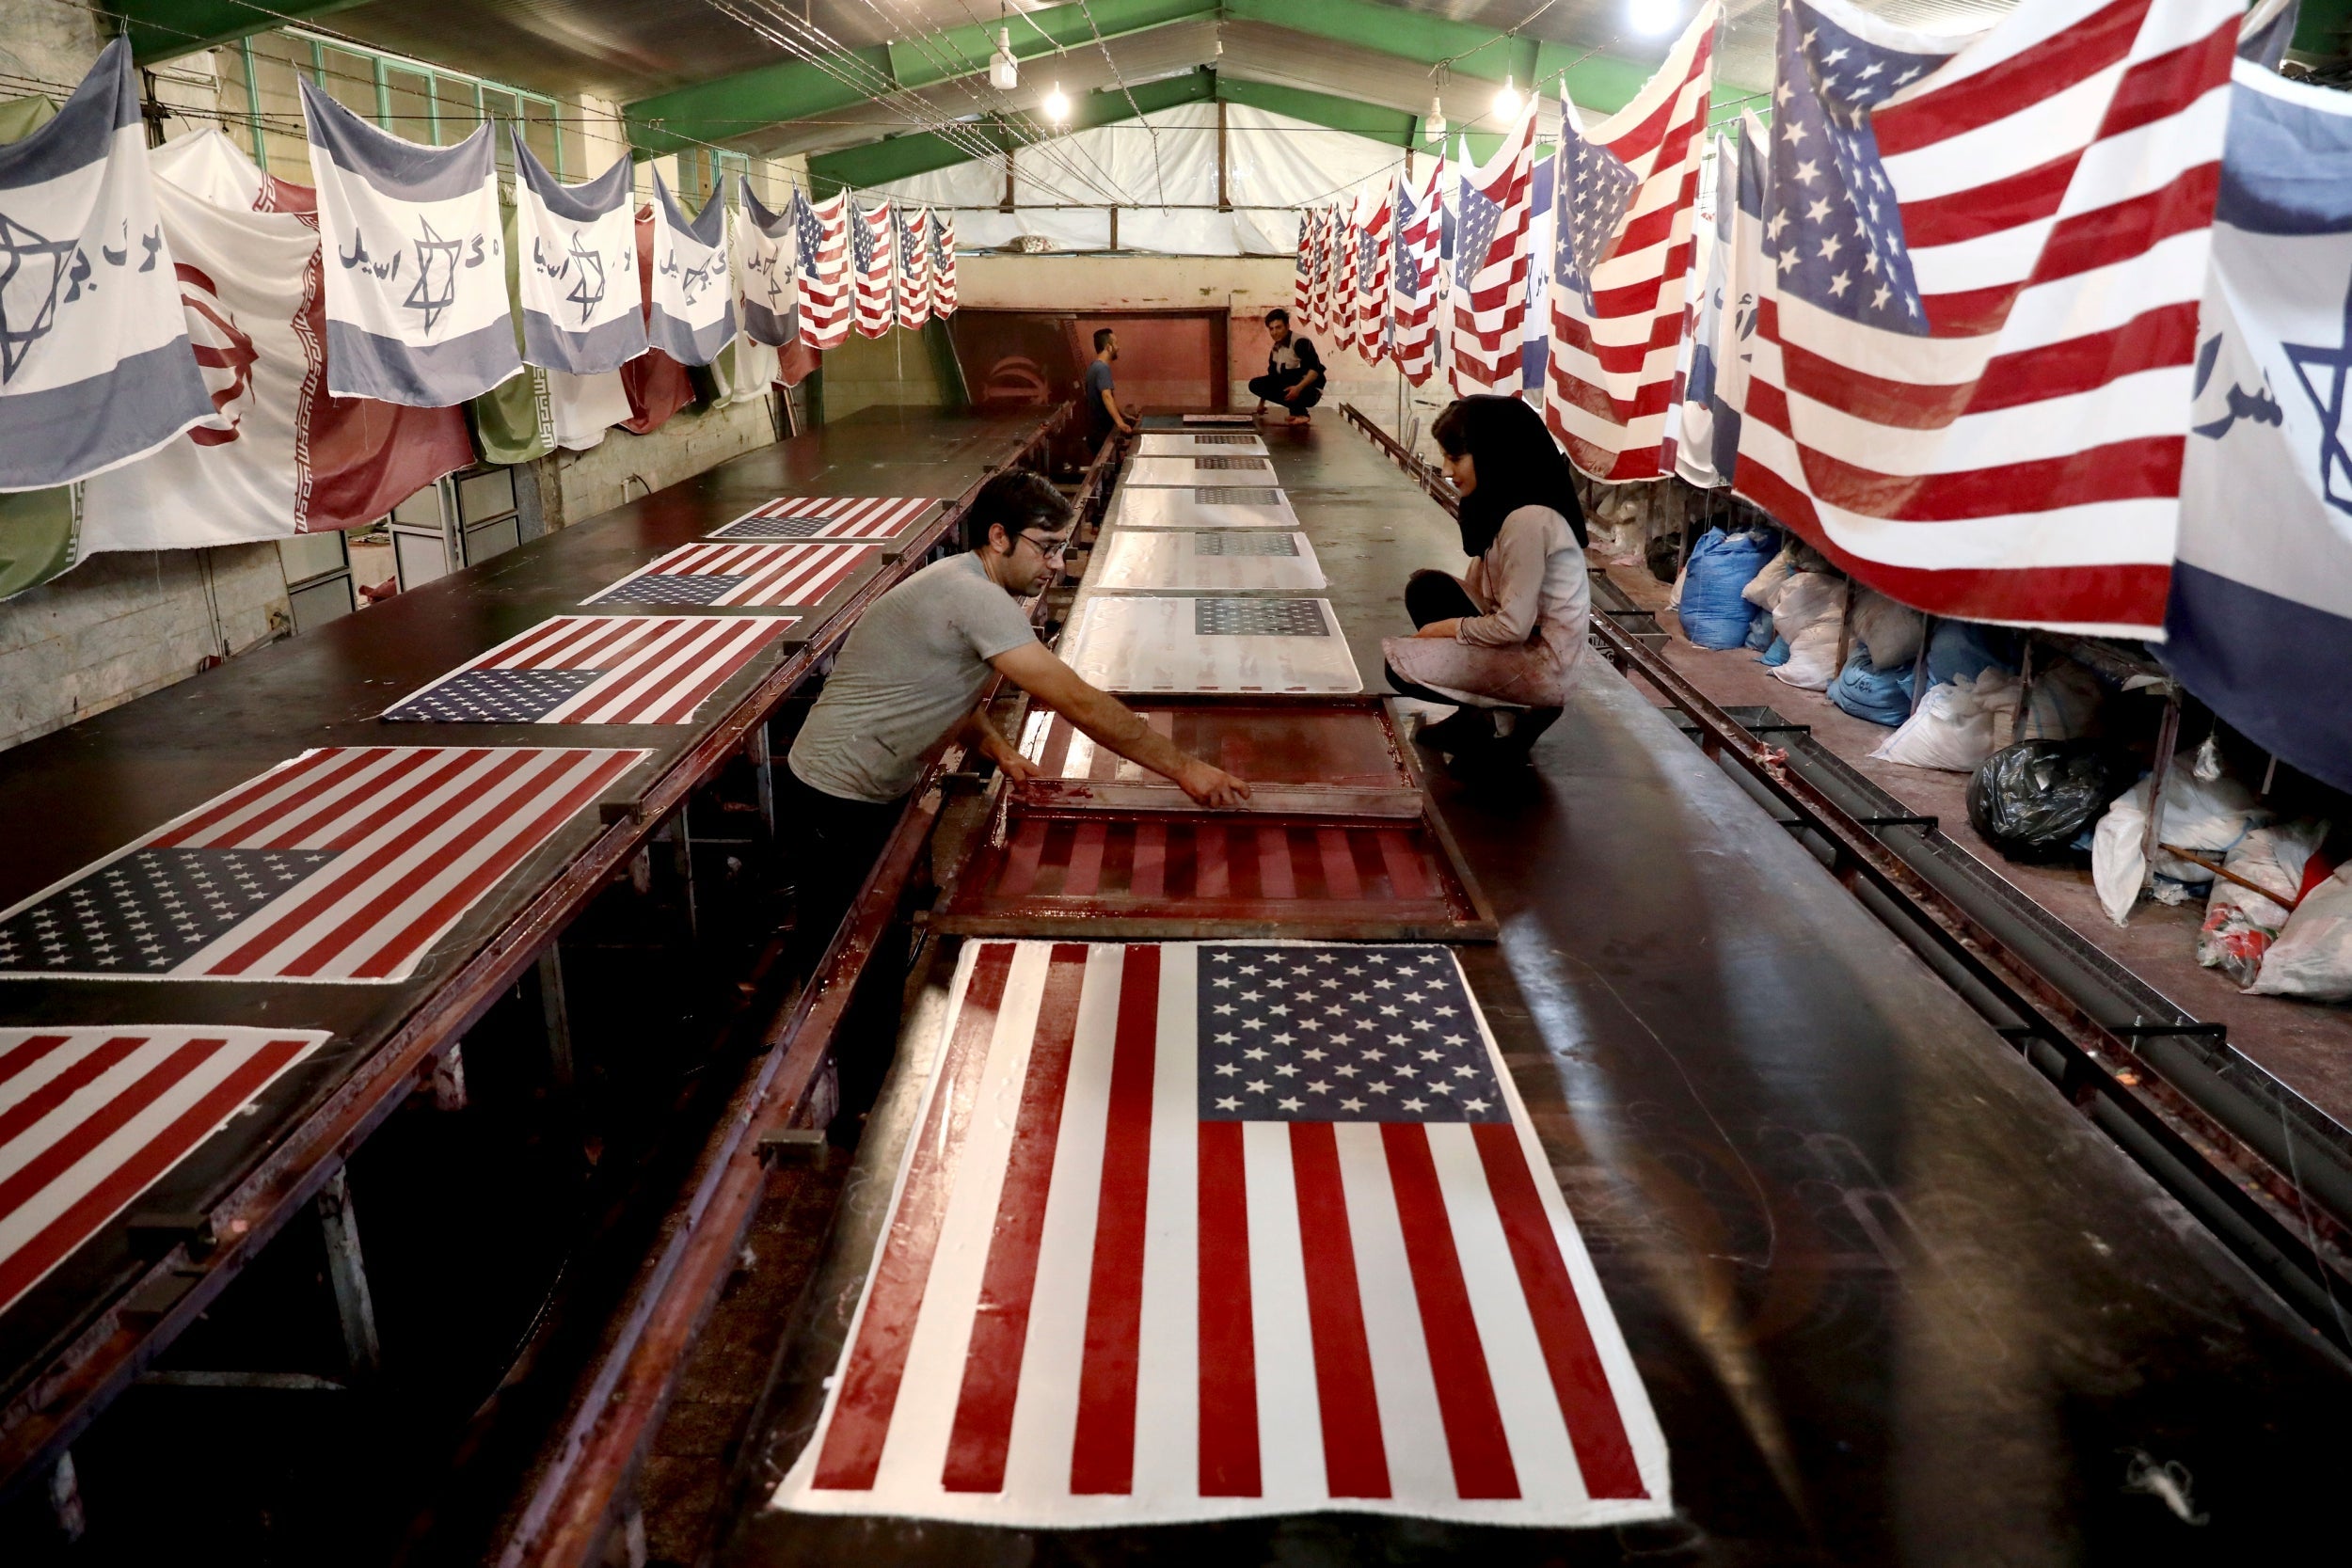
{"x": 1255, "y": 1053}
{"x": 1355, "y": 969}
{"x": 1252, "y": 996}
{"x": 1257, "y": 1085}
{"x": 1834, "y": 56}
{"x": 1286, "y": 1070}
{"x": 1816, "y": 212}
{"x": 1249, "y": 969}
{"x": 1830, "y": 247}
{"x": 1253, "y": 1023}
{"x": 1787, "y": 261}
{"x": 1453, "y": 1039}
{"x": 1220, "y": 980}
{"x": 1319, "y": 1086}
{"x": 1474, "y": 1105}
{"x": 1878, "y": 300}
{"x": 1374, "y": 1055}
{"x": 1433, "y": 1056}
{"x": 1442, "y": 1087}
{"x": 1792, "y": 132}
{"x": 1344, "y": 1070}
{"x": 1223, "y": 1008}
{"x": 1838, "y": 285}
{"x": 1225, "y": 1039}
{"x": 1226, "y": 1069}
{"x": 1222, "y": 957}
{"x": 1417, "y": 1105}
{"x": 1423, "y": 1024}
{"x": 1906, "y": 75}
{"x": 1872, "y": 69}
{"x": 1228, "y": 1104}
{"x": 1445, "y": 1012}
{"x": 1290, "y": 1105}
{"x": 1311, "y": 1054}
{"x": 1351, "y": 1105}
{"x": 1406, "y": 1069}
{"x": 1381, "y": 1089}
{"x": 1871, "y": 263}
{"x": 1465, "y": 1072}
{"x": 1810, "y": 171}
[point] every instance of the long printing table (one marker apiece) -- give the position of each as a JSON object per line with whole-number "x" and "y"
{"x": 339, "y": 1034}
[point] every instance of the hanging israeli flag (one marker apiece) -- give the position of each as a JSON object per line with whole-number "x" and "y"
{"x": 96, "y": 368}
{"x": 763, "y": 272}
{"x": 417, "y": 310}
{"x": 579, "y": 273}
{"x": 694, "y": 289}
{"x": 2260, "y": 621}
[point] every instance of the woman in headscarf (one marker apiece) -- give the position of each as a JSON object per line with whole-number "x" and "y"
{"x": 1503, "y": 641}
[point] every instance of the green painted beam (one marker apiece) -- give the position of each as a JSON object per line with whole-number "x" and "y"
{"x": 1408, "y": 35}
{"x": 903, "y": 157}
{"x": 161, "y": 30}
{"x": 739, "y": 104}
{"x": 1371, "y": 120}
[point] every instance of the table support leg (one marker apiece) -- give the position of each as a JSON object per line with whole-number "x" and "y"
{"x": 347, "y": 1273}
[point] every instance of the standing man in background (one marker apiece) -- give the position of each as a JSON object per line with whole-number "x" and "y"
{"x": 1293, "y": 370}
{"x": 1104, "y": 414}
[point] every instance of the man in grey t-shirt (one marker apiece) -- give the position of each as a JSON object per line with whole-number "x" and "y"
{"x": 1104, "y": 414}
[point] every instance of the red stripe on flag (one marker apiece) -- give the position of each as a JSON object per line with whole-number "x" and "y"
{"x": 1275, "y": 880}
{"x": 1212, "y": 877}
{"x": 982, "y": 1433}
{"x": 1474, "y": 1437}
{"x": 1146, "y": 878}
{"x": 346, "y": 821}
{"x": 1085, "y": 874}
{"x": 893, "y": 1301}
{"x": 1339, "y": 863}
{"x": 34, "y": 1048}
{"x": 1354, "y": 1458}
{"x": 1229, "y": 1356}
{"x": 70, "y": 1080}
{"x": 2153, "y": 89}
{"x": 1990, "y": 208}
{"x": 2148, "y": 467}
{"x": 330, "y": 770}
{"x": 50, "y": 1245}
{"x": 2039, "y": 71}
{"x": 1578, "y": 1380}
{"x": 1102, "y": 1451}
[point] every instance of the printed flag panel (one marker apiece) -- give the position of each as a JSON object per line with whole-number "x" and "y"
{"x": 1124, "y": 642}
{"x": 830, "y": 517}
{"x": 1210, "y": 1231}
{"x": 91, "y": 1117}
{"x": 1235, "y": 559}
{"x": 1238, "y": 467}
{"x": 1203, "y": 506}
{"x": 741, "y": 574}
{"x": 1200, "y": 443}
{"x": 346, "y": 864}
{"x": 597, "y": 669}
{"x": 821, "y": 267}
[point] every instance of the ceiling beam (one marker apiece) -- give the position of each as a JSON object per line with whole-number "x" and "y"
{"x": 1392, "y": 127}
{"x": 736, "y": 106}
{"x": 164, "y": 29}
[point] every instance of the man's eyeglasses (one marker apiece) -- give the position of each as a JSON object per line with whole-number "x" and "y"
{"x": 1052, "y": 549}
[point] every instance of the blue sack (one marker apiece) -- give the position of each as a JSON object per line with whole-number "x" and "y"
{"x": 1760, "y": 633}
{"x": 1963, "y": 650}
{"x": 1866, "y": 691}
{"x": 1712, "y": 612}
{"x": 1777, "y": 655}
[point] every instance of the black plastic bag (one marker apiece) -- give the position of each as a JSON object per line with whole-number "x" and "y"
{"x": 2032, "y": 800}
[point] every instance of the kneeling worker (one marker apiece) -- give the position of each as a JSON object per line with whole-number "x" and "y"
{"x": 907, "y": 681}
{"x": 1293, "y": 370}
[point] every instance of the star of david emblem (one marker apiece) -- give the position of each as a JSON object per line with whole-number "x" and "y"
{"x": 588, "y": 291}
{"x": 28, "y": 302}
{"x": 435, "y": 288}
{"x": 2323, "y": 371}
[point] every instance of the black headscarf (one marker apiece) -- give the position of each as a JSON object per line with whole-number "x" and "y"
{"x": 1517, "y": 463}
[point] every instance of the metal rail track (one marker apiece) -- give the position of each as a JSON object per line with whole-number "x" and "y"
{"x": 2264, "y": 1171}
{"x": 42, "y": 1418}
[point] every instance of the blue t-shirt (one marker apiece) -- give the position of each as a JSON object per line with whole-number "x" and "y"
{"x": 1098, "y": 382}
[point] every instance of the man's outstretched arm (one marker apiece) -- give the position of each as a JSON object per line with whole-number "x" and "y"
{"x": 1111, "y": 722}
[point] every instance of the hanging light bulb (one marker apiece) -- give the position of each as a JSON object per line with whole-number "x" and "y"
{"x": 1003, "y": 71}
{"x": 1437, "y": 115}
{"x": 1058, "y": 106}
{"x": 1507, "y": 100}
{"x": 1652, "y": 16}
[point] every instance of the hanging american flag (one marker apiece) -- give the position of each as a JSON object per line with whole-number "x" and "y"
{"x": 943, "y": 263}
{"x": 91, "y": 1117}
{"x": 1971, "y": 378}
{"x": 1372, "y": 238}
{"x": 1413, "y": 290}
{"x": 1195, "y": 1232}
{"x": 1490, "y": 263}
{"x": 873, "y": 265}
{"x": 828, "y": 518}
{"x": 597, "y": 670}
{"x": 1345, "y": 252}
{"x": 1318, "y": 274}
{"x": 1303, "y": 272}
{"x": 821, "y": 267}
{"x": 740, "y": 574}
{"x": 1329, "y": 244}
{"x": 915, "y": 268}
{"x": 345, "y": 864}
{"x": 1623, "y": 260}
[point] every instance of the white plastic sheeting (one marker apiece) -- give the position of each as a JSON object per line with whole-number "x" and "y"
{"x": 1273, "y": 162}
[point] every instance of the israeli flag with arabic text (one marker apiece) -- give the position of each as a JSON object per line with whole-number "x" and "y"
{"x": 417, "y": 310}
{"x": 581, "y": 311}
{"x": 96, "y": 368}
{"x": 693, "y": 280}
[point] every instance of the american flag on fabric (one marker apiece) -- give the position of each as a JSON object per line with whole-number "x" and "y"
{"x": 1326, "y": 258}
{"x": 873, "y": 268}
{"x": 345, "y": 864}
{"x": 740, "y": 575}
{"x": 1619, "y": 282}
{"x": 91, "y": 1117}
{"x": 915, "y": 268}
{"x": 943, "y": 263}
{"x": 1413, "y": 288}
{"x": 821, "y": 267}
{"x": 1490, "y": 263}
{"x": 1345, "y": 251}
{"x": 1196, "y": 1231}
{"x": 597, "y": 670}
{"x": 1303, "y": 272}
{"x": 1373, "y": 240}
{"x": 828, "y": 518}
{"x": 1971, "y": 378}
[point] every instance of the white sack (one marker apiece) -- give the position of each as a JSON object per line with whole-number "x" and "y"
{"x": 1808, "y": 615}
{"x": 2208, "y": 817}
{"x": 2313, "y": 956}
{"x": 2240, "y": 923}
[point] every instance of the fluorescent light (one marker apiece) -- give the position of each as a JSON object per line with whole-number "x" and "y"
{"x": 1436, "y": 117}
{"x": 1058, "y": 106}
{"x": 1003, "y": 71}
{"x": 1653, "y": 16}
{"x": 1507, "y": 100}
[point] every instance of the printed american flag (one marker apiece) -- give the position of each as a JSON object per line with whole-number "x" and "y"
{"x": 1971, "y": 378}
{"x": 914, "y": 269}
{"x": 740, "y": 574}
{"x": 828, "y": 518}
{"x": 821, "y": 267}
{"x": 1192, "y": 1232}
{"x": 1610, "y": 367}
{"x": 597, "y": 669}
{"x": 1318, "y": 316}
{"x": 943, "y": 263}
{"x": 1490, "y": 263}
{"x": 873, "y": 265}
{"x": 345, "y": 864}
{"x": 1345, "y": 251}
{"x": 91, "y": 1117}
{"x": 1413, "y": 290}
{"x": 1303, "y": 271}
{"x": 1371, "y": 336}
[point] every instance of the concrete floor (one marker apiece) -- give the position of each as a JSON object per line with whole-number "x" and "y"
{"x": 2306, "y": 1046}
